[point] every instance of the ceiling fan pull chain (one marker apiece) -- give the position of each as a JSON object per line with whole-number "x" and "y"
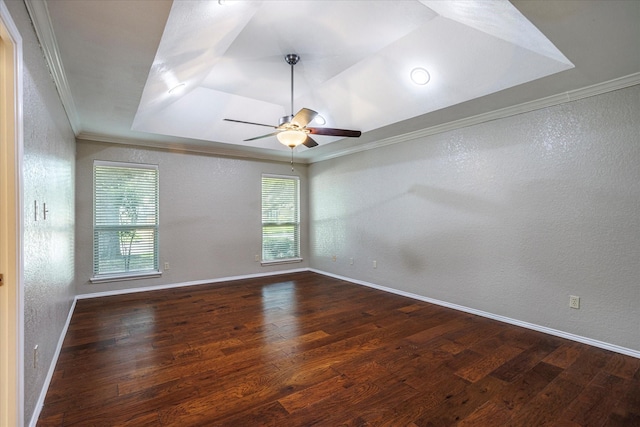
{"x": 291, "y": 159}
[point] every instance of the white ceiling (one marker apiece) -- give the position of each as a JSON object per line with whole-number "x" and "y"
{"x": 115, "y": 61}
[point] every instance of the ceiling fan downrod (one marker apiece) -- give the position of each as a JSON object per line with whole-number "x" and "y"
{"x": 292, "y": 59}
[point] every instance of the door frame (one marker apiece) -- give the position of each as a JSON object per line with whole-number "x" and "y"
{"x": 11, "y": 230}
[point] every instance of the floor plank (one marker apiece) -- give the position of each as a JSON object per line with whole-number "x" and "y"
{"x": 305, "y": 349}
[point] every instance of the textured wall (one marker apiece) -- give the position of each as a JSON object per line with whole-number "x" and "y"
{"x": 509, "y": 217}
{"x": 49, "y": 168}
{"x": 210, "y": 220}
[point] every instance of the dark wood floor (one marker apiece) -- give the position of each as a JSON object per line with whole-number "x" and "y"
{"x": 305, "y": 349}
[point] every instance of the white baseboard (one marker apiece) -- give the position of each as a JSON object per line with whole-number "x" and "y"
{"x": 52, "y": 367}
{"x": 527, "y": 325}
{"x": 183, "y": 284}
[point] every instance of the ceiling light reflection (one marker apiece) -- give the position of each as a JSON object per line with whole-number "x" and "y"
{"x": 420, "y": 76}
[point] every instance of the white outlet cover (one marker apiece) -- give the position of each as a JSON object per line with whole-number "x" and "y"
{"x": 574, "y": 301}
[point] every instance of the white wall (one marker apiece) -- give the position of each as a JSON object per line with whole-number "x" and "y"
{"x": 509, "y": 217}
{"x": 210, "y": 214}
{"x": 48, "y": 172}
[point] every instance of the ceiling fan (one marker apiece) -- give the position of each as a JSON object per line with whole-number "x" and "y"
{"x": 293, "y": 130}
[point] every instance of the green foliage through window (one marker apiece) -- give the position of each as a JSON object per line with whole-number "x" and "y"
{"x": 125, "y": 218}
{"x": 280, "y": 218}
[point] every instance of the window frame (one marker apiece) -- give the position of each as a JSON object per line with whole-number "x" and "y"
{"x": 296, "y": 223}
{"x": 98, "y": 277}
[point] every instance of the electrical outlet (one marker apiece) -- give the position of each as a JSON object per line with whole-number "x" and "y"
{"x": 375, "y": 264}
{"x": 333, "y": 258}
{"x": 167, "y": 267}
{"x": 350, "y": 261}
{"x": 574, "y": 301}
{"x": 257, "y": 258}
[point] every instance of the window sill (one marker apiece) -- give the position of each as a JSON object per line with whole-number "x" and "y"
{"x": 281, "y": 261}
{"x": 123, "y": 277}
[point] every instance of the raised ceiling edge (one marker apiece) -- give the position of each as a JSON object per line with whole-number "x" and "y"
{"x": 39, "y": 14}
{"x": 186, "y": 147}
{"x": 550, "y": 101}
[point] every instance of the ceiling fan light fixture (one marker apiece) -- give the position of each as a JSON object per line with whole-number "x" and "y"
{"x": 292, "y": 138}
{"x": 420, "y": 76}
{"x": 292, "y": 130}
{"x": 320, "y": 120}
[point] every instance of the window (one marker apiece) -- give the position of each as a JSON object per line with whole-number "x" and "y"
{"x": 125, "y": 220}
{"x": 280, "y": 218}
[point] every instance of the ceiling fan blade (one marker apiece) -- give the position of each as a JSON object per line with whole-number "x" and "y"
{"x": 335, "y": 132}
{"x": 309, "y": 142}
{"x": 262, "y": 136}
{"x": 303, "y": 117}
{"x": 249, "y": 123}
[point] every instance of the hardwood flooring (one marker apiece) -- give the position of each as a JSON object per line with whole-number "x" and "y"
{"x": 305, "y": 349}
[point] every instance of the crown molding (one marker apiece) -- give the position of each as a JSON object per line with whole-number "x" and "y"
{"x": 550, "y": 101}
{"x": 39, "y": 14}
{"x": 185, "y": 147}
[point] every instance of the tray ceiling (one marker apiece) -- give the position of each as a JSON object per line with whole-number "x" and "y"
{"x": 120, "y": 59}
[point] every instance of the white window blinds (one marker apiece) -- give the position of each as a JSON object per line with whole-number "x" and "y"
{"x": 280, "y": 217}
{"x": 125, "y": 219}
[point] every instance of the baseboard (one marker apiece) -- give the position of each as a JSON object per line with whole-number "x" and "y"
{"x": 183, "y": 284}
{"x": 52, "y": 368}
{"x": 527, "y": 325}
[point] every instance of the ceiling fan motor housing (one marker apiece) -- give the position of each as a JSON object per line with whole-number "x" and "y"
{"x": 284, "y": 120}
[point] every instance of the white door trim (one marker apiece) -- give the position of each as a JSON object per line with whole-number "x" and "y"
{"x": 11, "y": 231}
